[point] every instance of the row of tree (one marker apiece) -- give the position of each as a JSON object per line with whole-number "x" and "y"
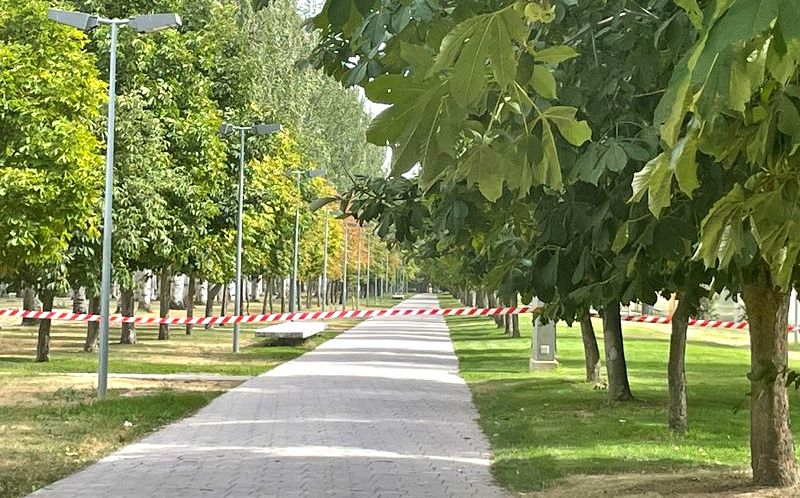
{"x": 175, "y": 176}
{"x": 590, "y": 154}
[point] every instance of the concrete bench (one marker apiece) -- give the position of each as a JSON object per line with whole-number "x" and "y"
{"x": 398, "y": 296}
{"x": 291, "y": 331}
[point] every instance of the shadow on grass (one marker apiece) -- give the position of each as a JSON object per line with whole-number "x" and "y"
{"x": 548, "y": 426}
{"x": 546, "y": 471}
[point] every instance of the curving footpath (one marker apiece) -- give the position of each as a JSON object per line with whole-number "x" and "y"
{"x": 379, "y": 411}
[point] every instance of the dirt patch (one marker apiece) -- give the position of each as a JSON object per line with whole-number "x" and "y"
{"x": 40, "y": 390}
{"x": 684, "y": 484}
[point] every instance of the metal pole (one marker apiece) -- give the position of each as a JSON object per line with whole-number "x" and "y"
{"x": 796, "y": 305}
{"x": 237, "y": 306}
{"x": 386, "y": 276}
{"x": 358, "y": 273}
{"x": 369, "y": 257}
{"x": 324, "y": 289}
{"x": 105, "y": 290}
{"x": 344, "y": 271}
{"x": 293, "y": 289}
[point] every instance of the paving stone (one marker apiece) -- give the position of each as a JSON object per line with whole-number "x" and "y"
{"x": 378, "y": 411}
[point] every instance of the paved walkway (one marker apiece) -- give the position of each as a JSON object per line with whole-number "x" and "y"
{"x": 376, "y": 412}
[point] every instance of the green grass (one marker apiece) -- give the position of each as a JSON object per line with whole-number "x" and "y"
{"x": 203, "y": 352}
{"x": 545, "y": 426}
{"x": 43, "y": 443}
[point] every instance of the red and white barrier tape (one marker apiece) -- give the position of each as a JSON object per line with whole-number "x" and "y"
{"x": 273, "y": 317}
{"x": 695, "y": 322}
{"x": 333, "y": 315}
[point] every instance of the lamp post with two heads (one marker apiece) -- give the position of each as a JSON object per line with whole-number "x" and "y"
{"x": 141, "y": 24}
{"x": 226, "y": 129}
{"x": 293, "y": 295}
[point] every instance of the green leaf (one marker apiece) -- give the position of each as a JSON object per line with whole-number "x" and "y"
{"x": 693, "y": 11}
{"x": 555, "y": 54}
{"x": 453, "y": 43}
{"x": 501, "y": 53}
{"x": 683, "y": 161}
{"x": 742, "y": 21}
{"x": 543, "y": 82}
{"x": 789, "y": 19}
{"x": 418, "y": 56}
{"x": 548, "y": 171}
{"x": 721, "y": 232}
{"x": 672, "y": 107}
{"x": 339, "y": 12}
{"x": 485, "y": 167}
{"x": 614, "y": 158}
{"x": 788, "y": 118}
{"x": 621, "y": 239}
{"x": 575, "y": 132}
{"x": 586, "y": 168}
{"x": 469, "y": 80}
{"x": 655, "y": 179}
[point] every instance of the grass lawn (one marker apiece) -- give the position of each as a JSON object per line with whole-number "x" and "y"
{"x": 43, "y": 442}
{"x": 205, "y": 351}
{"x": 50, "y": 422}
{"x": 552, "y": 431}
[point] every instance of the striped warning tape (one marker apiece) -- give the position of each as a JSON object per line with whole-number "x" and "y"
{"x": 272, "y": 317}
{"x": 695, "y": 322}
{"x": 333, "y": 315}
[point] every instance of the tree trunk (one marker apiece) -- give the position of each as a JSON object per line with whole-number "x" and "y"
{"x": 506, "y": 321}
{"x": 92, "y": 328}
{"x": 515, "y": 321}
{"x": 267, "y": 291}
{"x": 127, "y": 308}
{"x": 29, "y": 304}
{"x": 616, "y": 369}
{"x": 676, "y": 370}
{"x": 164, "y": 295}
{"x": 771, "y": 444}
{"x": 225, "y": 293}
{"x": 499, "y": 321}
{"x": 145, "y": 281}
{"x": 176, "y": 300}
{"x": 212, "y": 297}
{"x": 190, "y": 303}
{"x": 43, "y": 345}
{"x": 283, "y": 295}
{"x": 480, "y": 298}
{"x": 591, "y": 352}
{"x": 271, "y": 295}
{"x": 79, "y": 303}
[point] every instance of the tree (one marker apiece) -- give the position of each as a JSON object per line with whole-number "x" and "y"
{"x": 50, "y": 96}
{"x": 733, "y": 99}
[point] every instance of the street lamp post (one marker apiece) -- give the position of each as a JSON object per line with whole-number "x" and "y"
{"x": 369, "y": 258}
{"x": 225, "y": 129}
{"x": 358, "y": 273}
{"x": 324, "y": 283}
{"x": 344, "y": 270}
{"x": 141, "y": 24}
{"x": 293, "y": 295}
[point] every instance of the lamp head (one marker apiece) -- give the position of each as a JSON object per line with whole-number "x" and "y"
{"x": 267, "y": 128}
{"x": 79, "y": 20}
{"x": 154, "y": 22}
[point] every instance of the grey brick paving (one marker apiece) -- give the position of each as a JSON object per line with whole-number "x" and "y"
{"x": 379, "y": 411}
